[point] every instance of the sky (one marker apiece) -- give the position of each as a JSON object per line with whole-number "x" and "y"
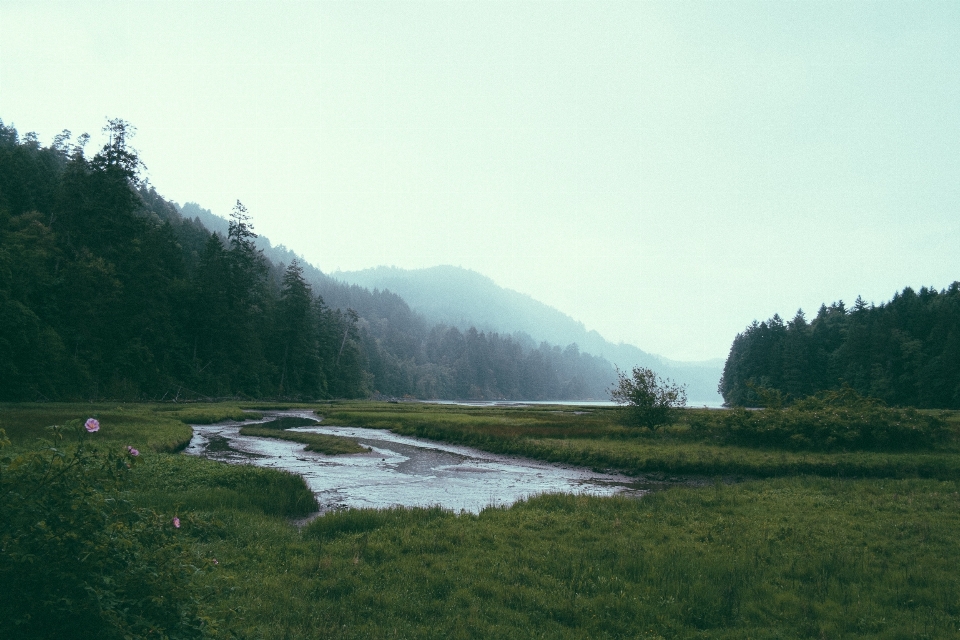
{"x": 664, "y": 172}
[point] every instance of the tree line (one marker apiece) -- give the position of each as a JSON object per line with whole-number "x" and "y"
{"x": 905, "y": 352}
{"x": 107, "y": 291}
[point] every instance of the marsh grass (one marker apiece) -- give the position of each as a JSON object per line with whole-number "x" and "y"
{"x": 136, "y": 425}
{"x": 194, "y": 483}
{"x": 163, "y": 480}
{"x": 149, "y": 427}
{"x": 788, "y": 557}
{"x": 287, "y": 422}
{"x": 840, "y": 420}
{"x": 598, "y": 440}
{"x": 207, "y": 413}
{"x": 483, "y": 422}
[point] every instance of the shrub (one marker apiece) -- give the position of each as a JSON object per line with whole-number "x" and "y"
{"x": 650, "y": 401}
{"x": 839, "y": 420}
{"x": 78, "y": 559}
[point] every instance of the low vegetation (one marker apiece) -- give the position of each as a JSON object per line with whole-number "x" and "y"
{"x": 79, "y": 558}
{"x": 318, "y": 442}
{"x": 148, "y": 427}
{"x": 840, "y": 420}
{"x": 788, "y": 557}
{"x": 785, "y": 558}
{"x": 697, "y": 444}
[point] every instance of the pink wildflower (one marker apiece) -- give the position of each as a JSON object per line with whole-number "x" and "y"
{"x": 132, "y": 451}
{"x": 215, "y": 561}
{"x": 92, "y": 425}
{"x": 176, "y": 522}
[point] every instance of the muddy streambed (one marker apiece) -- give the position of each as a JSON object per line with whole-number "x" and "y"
{"x": 401, "y": 470}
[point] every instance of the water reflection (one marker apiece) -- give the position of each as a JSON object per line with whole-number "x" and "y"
{"x": 403, "y": 471}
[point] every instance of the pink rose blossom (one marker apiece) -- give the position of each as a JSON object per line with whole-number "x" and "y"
{"x": 92, "y": 425}
{"x": 132, "y": 451}
{"x": 176, "y": 522}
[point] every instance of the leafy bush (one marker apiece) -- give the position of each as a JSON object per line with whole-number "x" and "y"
{"x": 78, "y": 559}
{"x": 650, "y": 401}
{"x": 839, "y": 420}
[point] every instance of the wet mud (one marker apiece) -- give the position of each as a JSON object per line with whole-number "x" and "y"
{"x": 404, "y": 471}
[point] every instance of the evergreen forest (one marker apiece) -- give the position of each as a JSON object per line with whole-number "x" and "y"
{"x": 905, "y": 352}
{"x": 109, "y": 291}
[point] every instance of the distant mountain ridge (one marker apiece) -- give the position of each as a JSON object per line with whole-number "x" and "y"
{"x": 463, "y": 298}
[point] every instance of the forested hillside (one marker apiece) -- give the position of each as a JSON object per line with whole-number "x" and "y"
{"x": 108, "y": 291}
{"x": 462, "y": 298}
{"x": 429, "y": 357}
{"x": 905, "y": 352}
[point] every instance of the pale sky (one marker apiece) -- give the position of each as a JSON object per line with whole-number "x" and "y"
{"x": 664, "y": 172}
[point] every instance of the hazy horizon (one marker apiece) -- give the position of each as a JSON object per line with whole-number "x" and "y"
{"x": 664, "y": 172}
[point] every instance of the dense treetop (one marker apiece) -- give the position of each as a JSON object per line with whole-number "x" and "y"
{"x": 905, "y": 352}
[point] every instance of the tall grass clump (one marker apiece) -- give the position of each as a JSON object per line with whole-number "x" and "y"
{"x": 79, "y": 559}
{"x": 193, "y": 483}
{"x": 207, "y": 413}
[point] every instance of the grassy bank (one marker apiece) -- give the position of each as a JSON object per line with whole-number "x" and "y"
{"x": 785, "y": 557}
{"x": 155, "y": 428}
{"x": 596, "y": 439}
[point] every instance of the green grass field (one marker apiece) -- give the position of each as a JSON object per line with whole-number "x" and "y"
{"x": 154, "y": 428}
{"x": 852, "y": 545}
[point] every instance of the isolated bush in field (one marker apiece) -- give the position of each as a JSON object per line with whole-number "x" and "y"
{"x": 78, "y": 559}
{"x": 649, "y": 400}
{"x": 840, "y": 420}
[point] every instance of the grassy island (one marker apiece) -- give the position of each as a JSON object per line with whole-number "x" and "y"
{"x": 319, "y": 442}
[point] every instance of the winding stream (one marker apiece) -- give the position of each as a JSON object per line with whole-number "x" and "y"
{"x": 401, "y": 470}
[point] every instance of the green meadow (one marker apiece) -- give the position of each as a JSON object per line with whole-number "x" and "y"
{"x": 767, "y": 544}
